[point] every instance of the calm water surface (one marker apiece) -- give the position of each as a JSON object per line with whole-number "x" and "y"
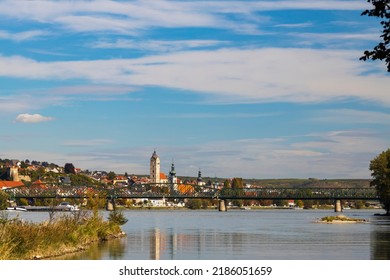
{"x": 253, "y": 234}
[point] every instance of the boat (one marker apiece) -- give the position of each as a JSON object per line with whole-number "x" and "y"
{"x": 16, "y": 208}
{"x": 66, "y": 206}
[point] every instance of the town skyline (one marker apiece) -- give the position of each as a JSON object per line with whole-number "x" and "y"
{"x": 250, "y": 89}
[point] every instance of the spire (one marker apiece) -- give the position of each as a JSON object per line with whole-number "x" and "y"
{"x": 172, "y": 173}
{"x": 199, "y": 179}
{"x": 154, "y": 155}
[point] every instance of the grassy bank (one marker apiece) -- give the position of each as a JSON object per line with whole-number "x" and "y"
{"x": 58, "y": 236}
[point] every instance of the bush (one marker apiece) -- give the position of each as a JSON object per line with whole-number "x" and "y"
{"x": 3, "y": 200}
{"x": 117, "y": 217}
{"x": 194, "y": 204}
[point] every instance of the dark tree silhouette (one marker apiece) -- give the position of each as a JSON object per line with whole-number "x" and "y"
{"x": 69, "y": 168}
{"x": 380, "y": 171}
{"x": 381, "y": 51}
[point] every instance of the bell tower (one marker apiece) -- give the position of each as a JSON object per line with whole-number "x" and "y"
{"x": 155, "y": 168}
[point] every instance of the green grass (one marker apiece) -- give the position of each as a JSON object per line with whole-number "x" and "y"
{"x": 61, "y": 235}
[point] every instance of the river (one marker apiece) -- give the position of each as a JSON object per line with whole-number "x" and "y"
{"x": 241, "y": 235}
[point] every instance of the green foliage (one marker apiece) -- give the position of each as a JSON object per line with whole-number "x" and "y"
{"x": 359, "y": 204}
{"x": 381, "y": 9}
{"x": 342, "y": 218}
{"x": 3, "y": 200}
{"x": 299, "y": 203}
{"x": 117, "y": 217}
{"x": 27, "y": 240}
{"x": 194, "y": 203}
{"x": 308, "y": 204}
{"x": 237, "y": 183}
{"x": 380, "y": 171}
{"x": 111, "y": 175}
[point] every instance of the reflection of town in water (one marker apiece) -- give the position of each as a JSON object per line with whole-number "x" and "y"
{"x": 202, "y": 235}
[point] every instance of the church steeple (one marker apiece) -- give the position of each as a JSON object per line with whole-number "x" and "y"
{"x": 172, "y": 176}
{"x": 199, "y": 179}
{"x": 155, "y": 168}
{"x": 172, "y": 173}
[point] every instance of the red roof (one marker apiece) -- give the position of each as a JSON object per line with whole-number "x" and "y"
{"x": 10, "y": 184}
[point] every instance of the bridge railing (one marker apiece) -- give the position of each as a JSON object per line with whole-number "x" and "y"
{"x": 149, "y": 190}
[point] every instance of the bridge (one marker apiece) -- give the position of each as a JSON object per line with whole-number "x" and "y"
{"x": 190, "y": 191}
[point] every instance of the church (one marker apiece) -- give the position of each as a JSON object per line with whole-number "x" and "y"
{"x": 158, "y": 177}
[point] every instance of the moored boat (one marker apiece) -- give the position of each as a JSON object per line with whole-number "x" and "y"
{"x": 16, "y": 208}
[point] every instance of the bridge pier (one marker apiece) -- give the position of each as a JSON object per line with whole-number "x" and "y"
{"x": 110, "y": 205}
{"x": 337, "y": 206}
{"x": 222, "y": 205}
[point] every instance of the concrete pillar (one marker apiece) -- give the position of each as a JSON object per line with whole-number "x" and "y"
{"x": 222, "y": 205}
{"x": 337, "y": 206}
{"x": 110, "y": 206}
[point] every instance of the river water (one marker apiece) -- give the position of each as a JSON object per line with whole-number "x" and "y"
{"x": 241, "y": 235}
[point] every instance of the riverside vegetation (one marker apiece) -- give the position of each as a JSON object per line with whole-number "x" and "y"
{"x": 58, "y": 236}
{"x": 341, "y": 219}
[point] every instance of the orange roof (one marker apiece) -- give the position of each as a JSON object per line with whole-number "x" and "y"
{"x": 163, "y": 176}
{"x": 38, "y": 183}
{"x": 10, "y": 184}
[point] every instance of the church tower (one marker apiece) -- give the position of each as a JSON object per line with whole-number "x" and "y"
{"x": 155, "y": 168}
{"x": 172, "y": 177}
{"x": 199, "y": 180}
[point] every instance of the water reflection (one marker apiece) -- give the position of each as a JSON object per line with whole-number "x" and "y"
{"x": 380, "y": 239}
{"x": 237, "y": 235}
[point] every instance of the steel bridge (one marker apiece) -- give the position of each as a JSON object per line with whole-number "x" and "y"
{"x": 188, "y": 191}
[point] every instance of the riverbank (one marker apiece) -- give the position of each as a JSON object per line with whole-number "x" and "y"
{"x": 67, "y": 233}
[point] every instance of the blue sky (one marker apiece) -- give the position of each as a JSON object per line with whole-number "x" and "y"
{"x": 252, "y": 89}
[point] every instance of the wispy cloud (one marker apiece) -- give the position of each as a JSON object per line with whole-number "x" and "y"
{"x": 32, "y": 118}
{"x": 348, "y": 116}
{"x": 22, "y": 36}
{"x": 158, "y": 45}
{"x": 137, "y": 16}
{"x": 239, "y": 75}
{"x": 295, "y": 25}
{"x": 88, "y": 143}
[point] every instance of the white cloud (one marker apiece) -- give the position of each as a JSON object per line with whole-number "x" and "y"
{"x": 136, "y": 16}
{"x": 349, "y": 116}
{"x": 88, "y": 142}
{"x": 22, "y": 36}
{"x": 158, "y": 45}
{"x": 332, "y": 154}
{"x": 228, "y": 75}
{"x": 34, "y": 118}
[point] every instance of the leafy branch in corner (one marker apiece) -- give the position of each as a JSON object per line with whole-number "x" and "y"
{"x": 382, "y": 50}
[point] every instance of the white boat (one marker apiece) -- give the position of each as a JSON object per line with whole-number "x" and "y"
{"x": 16, "y": 208}
{"x": 66, "y": 206}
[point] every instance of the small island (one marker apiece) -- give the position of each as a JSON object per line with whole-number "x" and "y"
{"x": 340, "y": 219}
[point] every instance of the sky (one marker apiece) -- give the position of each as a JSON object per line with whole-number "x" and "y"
{"x": 251, "y": 89}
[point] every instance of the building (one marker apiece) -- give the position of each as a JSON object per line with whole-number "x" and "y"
{"x": 155, "y": 168}
{"x": 199, "y": 180}
{"x": 172, "y": 177}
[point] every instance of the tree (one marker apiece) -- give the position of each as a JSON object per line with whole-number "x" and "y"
{"x": 380, "y": 171}
{"x": 69, "y": 168}
{"x": 111, "y": 175}
{"x": 3, "y": 200}
{"x": 194, "y": 203}
{"x": 382, "y": 50}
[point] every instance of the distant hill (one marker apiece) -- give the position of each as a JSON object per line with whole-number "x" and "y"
{"x": 311, "y": 183}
